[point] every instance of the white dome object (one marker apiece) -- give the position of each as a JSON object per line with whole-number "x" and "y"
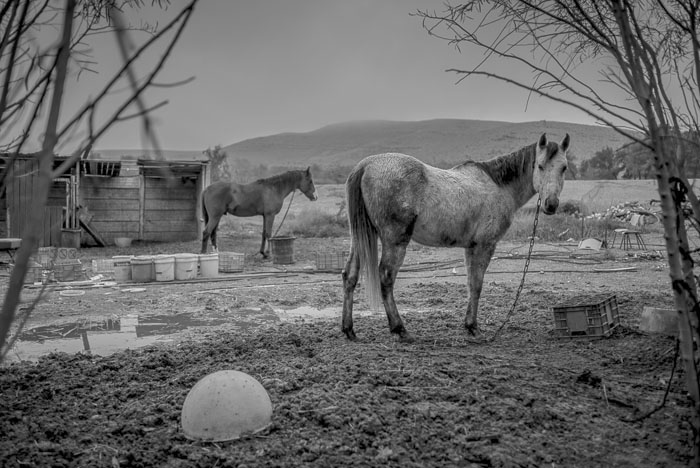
{"x": 225, "y": 405}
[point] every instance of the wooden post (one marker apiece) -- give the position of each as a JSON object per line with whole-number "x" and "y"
{"x": 66, "y": 223}
{"x": 203, "y": 182}
{"x": 142, "y": 204}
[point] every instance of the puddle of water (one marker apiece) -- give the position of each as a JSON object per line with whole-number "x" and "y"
{"x": 107, "y": 335}
{"x": 102, "y": 344}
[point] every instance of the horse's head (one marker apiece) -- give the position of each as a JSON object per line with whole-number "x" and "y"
{"x": 548, "y": 173}
{"x": 306, "y": 185}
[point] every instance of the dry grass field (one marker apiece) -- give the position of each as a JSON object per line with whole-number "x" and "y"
{"x": 593, "y": 195}
{"x": 598, "y": 195}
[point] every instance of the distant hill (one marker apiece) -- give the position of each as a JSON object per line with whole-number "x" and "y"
{"x": 169, "y": 155}
{"x": 432, "y": 141}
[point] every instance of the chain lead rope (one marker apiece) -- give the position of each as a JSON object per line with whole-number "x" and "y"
{"x": 522, "y": 281}
{"x": 285, "y": 214}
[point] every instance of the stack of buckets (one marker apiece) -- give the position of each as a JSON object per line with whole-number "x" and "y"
{"x": 148, "y": 268}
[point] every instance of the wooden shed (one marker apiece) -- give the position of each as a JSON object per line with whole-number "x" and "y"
{"x": 97, "y": 201}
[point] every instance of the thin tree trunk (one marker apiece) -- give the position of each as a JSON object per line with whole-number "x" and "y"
{"x": 35, "y": 218}
{"x": 684, "y": 292}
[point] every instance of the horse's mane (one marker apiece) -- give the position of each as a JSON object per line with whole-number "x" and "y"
{"x": 280, "y": 179}
{"x": 505, "y": 169}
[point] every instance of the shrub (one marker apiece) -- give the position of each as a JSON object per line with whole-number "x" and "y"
{"x": 309, "y": 223}
{"x": 570, "y": 207}
{"x": 549, "y": 228}
{"x": 560, "y": 227}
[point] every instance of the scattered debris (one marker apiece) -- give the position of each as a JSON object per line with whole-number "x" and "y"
{"x": 614, "y": 270}
{"x": 71, "y": 292}
{"x": 590, "y": 244}
{"x": 633, "y": 213}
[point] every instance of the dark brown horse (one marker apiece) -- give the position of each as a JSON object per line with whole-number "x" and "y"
{"x": 398, "y": 198}
{"x": 262, "y": 197}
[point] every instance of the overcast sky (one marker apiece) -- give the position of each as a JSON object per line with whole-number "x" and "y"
{"x": 269, "y": 66}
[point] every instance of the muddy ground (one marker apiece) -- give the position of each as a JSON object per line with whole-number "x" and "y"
{"x": 526, "y": 398}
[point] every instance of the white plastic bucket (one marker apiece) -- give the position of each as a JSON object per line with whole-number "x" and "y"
{"x": 142, "y": 269}
{"x": 209, "y": 265}
{"x": 659, "y": 320}
{"x": 164, "y": 267}
{"x": 185, "y": 266}
{"x": 122, "y": 268}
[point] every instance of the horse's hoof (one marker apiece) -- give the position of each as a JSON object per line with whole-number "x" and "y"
{"x": 475, "y": 334}
{"x": 350, "y": 334}
{"x": 406, "y": 337}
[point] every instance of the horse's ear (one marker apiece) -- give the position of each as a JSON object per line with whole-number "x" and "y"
{"x": 308, "y": 170}
{"x": 565, "y": 143}
{"x": 543, "y": 141}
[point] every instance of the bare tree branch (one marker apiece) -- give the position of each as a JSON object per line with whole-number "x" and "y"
{"x": 651, "y": 54}
{"x": 35, "y": 217}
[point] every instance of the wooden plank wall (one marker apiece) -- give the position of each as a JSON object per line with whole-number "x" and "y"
{"x": 114, "y": 204}
{"x": 144, "y": 208}
{"x": 170, "y": 209}
{"x": 4, "y": 226}
{"x": 53, "y": 222}
{"x": 128, "y": 205}
{"x": 20, "y": 188}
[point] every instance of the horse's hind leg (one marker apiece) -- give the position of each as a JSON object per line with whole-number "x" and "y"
{"x": 391, "y": 261}
{"x": 210, "y": 232}
{"x": 205, "y": 238}
{"x": 477, "y": 260}
{"x": 351, "y": 274}
{"x": 215, "y": 247}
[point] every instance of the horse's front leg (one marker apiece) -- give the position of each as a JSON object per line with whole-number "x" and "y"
{"x": 351, "y": 274}
{"x": 391, "y": 261}
{"x": 477, "y": 260}
{"x": 268, "y": 220}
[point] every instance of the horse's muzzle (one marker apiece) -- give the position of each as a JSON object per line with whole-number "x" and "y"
{"x": 550, "y": 205}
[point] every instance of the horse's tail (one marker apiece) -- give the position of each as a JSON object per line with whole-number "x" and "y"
{"x": 205, "y": 214}
{"x": 364, "y": 236}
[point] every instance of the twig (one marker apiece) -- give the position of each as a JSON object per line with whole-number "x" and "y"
{"x": 605, "y": 395}
{"x": 668, "y": 389}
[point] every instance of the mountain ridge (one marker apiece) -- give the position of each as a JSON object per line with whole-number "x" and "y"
{"x": 434, "y": 141}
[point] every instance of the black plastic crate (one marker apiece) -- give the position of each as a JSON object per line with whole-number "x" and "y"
{"x": 586, "y": 317}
